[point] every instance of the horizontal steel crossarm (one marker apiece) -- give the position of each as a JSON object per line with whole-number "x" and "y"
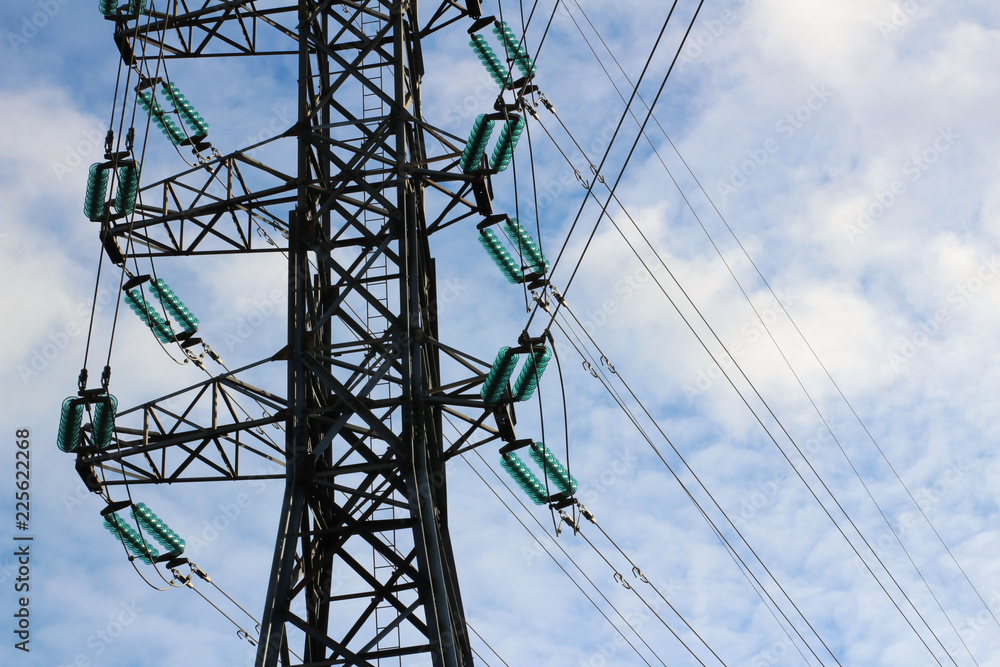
{"x": 138, "y": 463}
{"x": 198, "y": 211}
{"x": 159, "y": 449}
{"x": 447, "y": 13}
{"x": 219, "y": 28}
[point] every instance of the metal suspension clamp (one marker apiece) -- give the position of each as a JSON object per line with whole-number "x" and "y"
{"x": 540, "y": 300}
{"x": 593, "y": 169}
{"x": 212, "y": 353}
{"x": 200, "y": 572}
{"x": 586, "y": 513}
{"x": 572, "y": 524}
{"x": 606, "y": 362}
{"x": 180, "y": 578}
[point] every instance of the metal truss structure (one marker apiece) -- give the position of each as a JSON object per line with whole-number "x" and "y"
{"x": 364, "y": 453}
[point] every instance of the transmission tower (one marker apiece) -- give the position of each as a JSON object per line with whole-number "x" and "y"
{"x": 364, "y": 454}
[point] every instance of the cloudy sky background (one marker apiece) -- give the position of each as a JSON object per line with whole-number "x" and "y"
{"x": 851, "y": 147}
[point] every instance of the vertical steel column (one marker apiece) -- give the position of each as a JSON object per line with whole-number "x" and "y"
{"x": 325, "y": 425}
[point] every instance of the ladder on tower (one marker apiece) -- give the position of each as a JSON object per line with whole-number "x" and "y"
{"x": 373, "y": 106}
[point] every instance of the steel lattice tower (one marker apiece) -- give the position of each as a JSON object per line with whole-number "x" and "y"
{"x": 364, "y": 452}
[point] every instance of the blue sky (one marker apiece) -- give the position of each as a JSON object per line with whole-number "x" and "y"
{"x": 851, "y": 147}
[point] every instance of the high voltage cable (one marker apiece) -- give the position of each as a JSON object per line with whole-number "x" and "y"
{"x": 891, "y": 576}
{"x": 621, "y": 121}
{"x": 798, "y": 472}
{"x": 794, "y": 444}
{"x": 794, "y": 324}
{"x": 647, "y": 437}
{"x": 475, "y": 632}
{"x": 621, "y": 578}
{"x": 741, "y": 564}
{"x": 767, "y": 328}
{"x": 607, "y": 151}
{"x": 558, "y": 564}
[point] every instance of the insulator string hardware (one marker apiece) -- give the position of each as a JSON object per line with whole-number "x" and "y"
{"x": 530, "y": 483}
{"x": 553, "y": 469}
{"x": 180, "y": 106}
{"x": 475, "y": 147}
{"x": 496, "y": 380}
{"x": 134, "y": 543}
{"x": 109, "y": 8}
{"x": 503, "y": 259}
{"x": 159, "y": 326}
{"x": 70, "y": 434}
{"x": 96, "y": 203}
{"x": 515, "y": 48}
{"x": 533, "y": 265}
{"x": 479, "y": 137}
{"x": 524, "y": 477}
{"x": 174, "y": 306}
{"x": 503, "y": 152}
{"x": 488, "y": 57}
{"x": 160, "y": 531}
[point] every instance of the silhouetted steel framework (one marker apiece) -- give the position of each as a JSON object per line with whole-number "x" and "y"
{"x": 363, "y": 458}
